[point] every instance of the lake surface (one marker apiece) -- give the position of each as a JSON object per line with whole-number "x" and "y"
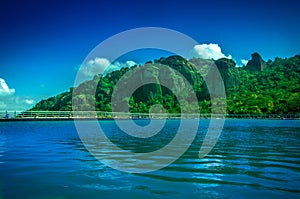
{"x": 252, "y": 159}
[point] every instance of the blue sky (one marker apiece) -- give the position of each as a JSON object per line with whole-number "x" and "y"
{"x": 43, "y": 43}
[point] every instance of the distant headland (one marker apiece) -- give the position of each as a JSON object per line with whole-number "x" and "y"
{"x": 259, "y": 88}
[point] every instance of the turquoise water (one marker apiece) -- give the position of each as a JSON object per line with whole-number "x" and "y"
{"x": 253, "y": 158}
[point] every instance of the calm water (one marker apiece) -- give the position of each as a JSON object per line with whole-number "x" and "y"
{"x": 253, "y": 158}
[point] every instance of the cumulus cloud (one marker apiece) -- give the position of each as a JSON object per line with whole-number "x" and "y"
{"x": 102, "y": 66}
{"x": 24, "y": 102}
{"x": 208, "y": 51}
{"x": 4, "y": 89}
{"x": 29, "y": 101}
{"x": 118, "y": 65}
{"x": 244, "y": 61}
{"x": 94, "y": 67}
{"x": 2, "y": 106}
{"x": 9, "y": 101}
{"x": 16, "y": 103}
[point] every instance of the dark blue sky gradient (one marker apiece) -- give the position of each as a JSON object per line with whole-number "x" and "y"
{"x": 43, "y": 42}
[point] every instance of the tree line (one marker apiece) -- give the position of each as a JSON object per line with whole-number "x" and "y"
{"x": 260, "y": 87}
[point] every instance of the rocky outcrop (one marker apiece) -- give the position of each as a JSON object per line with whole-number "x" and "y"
{"x": 229, "y": 77}
{"x": 163, "y": 80}
{"x": 256, "y": 63}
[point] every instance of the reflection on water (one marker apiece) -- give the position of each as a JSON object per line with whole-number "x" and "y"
{"x": 253, "y": 158}
{"x": 2, "y": 146}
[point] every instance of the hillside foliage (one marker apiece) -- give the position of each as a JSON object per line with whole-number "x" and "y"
{"x": 272, "y": 87}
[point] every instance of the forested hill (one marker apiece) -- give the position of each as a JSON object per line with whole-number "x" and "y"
{"x": 258, "y": 88}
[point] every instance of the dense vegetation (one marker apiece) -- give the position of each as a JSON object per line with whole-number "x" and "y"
{"x": 258, "y": 88}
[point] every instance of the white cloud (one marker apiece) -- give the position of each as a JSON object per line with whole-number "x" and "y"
{"x": 29, "y": 101}
{"x": 102, "y": 66}
{"x": 208, "y": 51}
{"x": 244, "y": 61}
{"x": 2, "y": 106}
{"x": 130, "y": 63}
{"x": 94, "y": 67}
{"x": 118, "y": 65}
{"x": 9, "y": 101}
{"x": 4, "y": 89}
{"x": 16, "y": 103}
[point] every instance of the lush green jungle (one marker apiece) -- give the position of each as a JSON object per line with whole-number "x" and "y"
{"x": 259, "y": 87}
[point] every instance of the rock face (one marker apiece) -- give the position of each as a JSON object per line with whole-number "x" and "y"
{"x": 229, "y": 72}
{"x": 171, "y": 75}
{"x": 164, "y": 81}
{"x": 229, "y": 77}
{"x": 256, "y": 63}
{"x": 183, "y": 66}
{"x": 191, "y": 72}
{"x": 224, "y": 65}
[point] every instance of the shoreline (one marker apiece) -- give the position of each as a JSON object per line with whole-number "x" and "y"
{"x": 99, "y": 119}
{"x": 100, "y": 115}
